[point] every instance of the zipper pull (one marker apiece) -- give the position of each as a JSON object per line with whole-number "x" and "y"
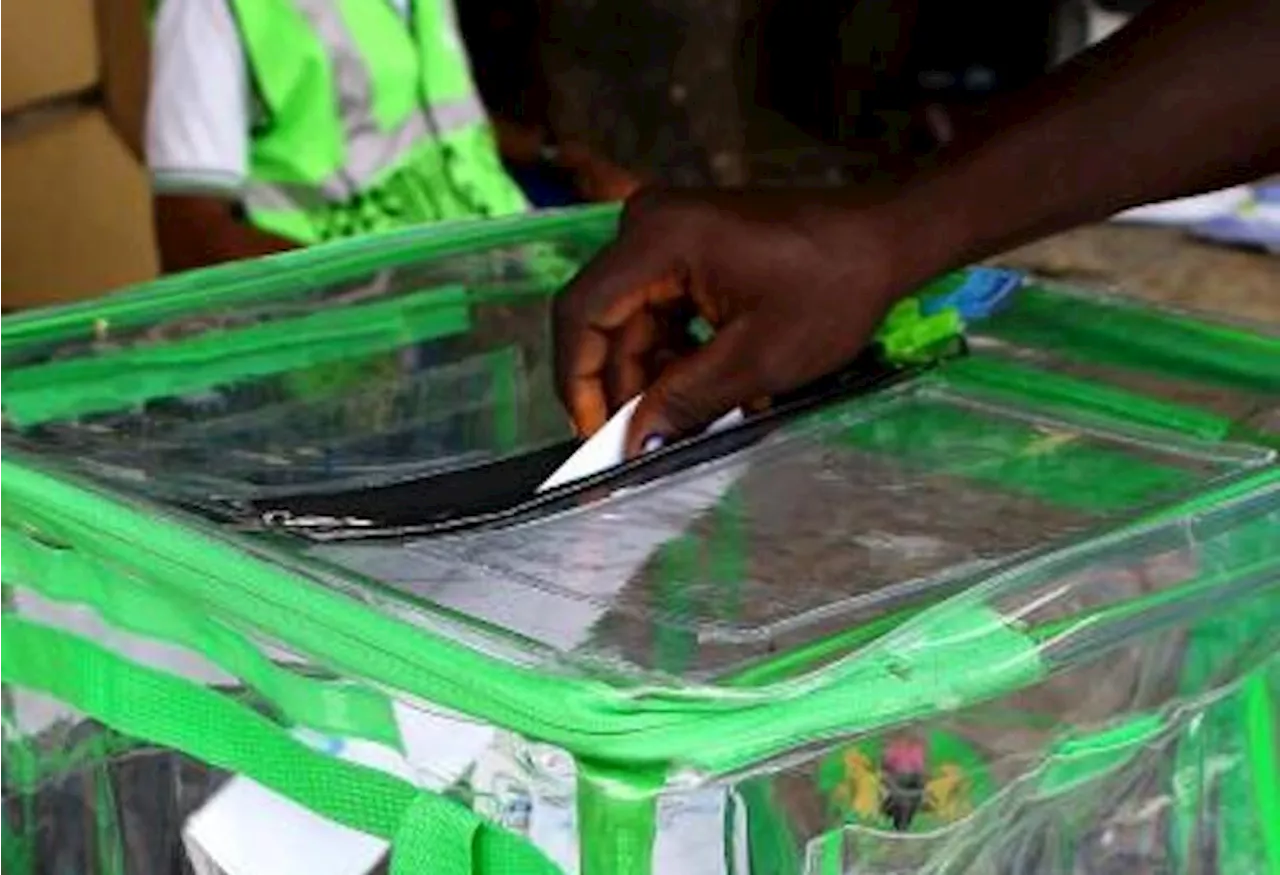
{"x": 285, "y": 519}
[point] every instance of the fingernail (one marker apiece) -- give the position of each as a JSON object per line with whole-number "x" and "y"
{"x": 651, "y": 443}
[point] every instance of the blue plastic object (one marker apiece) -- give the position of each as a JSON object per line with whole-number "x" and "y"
{"x": 984, "y": 291}
{"x": 1256, "y": 225}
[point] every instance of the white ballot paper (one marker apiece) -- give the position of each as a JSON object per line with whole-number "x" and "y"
{"x": 1188, "y": 210}
{"x": 606, "y": 448}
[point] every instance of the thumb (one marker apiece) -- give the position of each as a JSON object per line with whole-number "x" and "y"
{"x": 696, "y": 390}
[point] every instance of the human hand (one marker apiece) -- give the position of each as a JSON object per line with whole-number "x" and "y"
{"x": 794, "y": 284}
{"x": 597, "y": 178}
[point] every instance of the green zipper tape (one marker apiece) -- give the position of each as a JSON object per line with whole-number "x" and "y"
{"x": 794, "y": 662}
{"x": 439, "y": 836}
{"x": 1080, "y": 759}
{"x": 300, "y": 272}
{"x": 718, "y": 730}
{"x": 1262, "y": 743}
{"x": 618, "y": 810}
{"x": 1236, "y": 489}
{"x": 959, "y": 652}
{"x": 772, "y": 845}
{"x": 1023, "y": 385}
{"x": 115, "y": 381}
{"x": 1059, "y": 467}
{"x": 107, "y": 832}
{"x": 1129, "y": 335}
{"x": 429, "y": 833}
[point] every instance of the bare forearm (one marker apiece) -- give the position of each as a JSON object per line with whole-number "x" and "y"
{"x": 194, "y": 232}
{"x": 1184, "y": 99}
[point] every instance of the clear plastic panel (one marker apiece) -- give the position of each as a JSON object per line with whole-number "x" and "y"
{"x": 1137, "y": 754}
{"x": 997, "y": 794}
{"x": 1127, "y": 744}
{"x": 81, "y": 798}
{"x": 845, "y": 515}
{"x": 1238, "y": 405}
{"x": 1133, "y": 753}
{"x": 394, "y": 371}
{"x": 389, "y": 374}
{"x": 1142, "y": 761}
{"x": 1198, "y": 360}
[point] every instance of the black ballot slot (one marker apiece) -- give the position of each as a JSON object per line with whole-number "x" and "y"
{"x": 502, "y": 490}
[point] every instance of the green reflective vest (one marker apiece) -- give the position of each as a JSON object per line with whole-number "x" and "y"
{"x": 369, "y": 121}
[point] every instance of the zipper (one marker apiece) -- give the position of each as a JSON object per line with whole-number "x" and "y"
{"x": 286, "y": 520}
{"x": 716, "y": 730}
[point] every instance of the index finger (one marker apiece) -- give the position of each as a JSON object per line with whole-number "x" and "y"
{"x": 626, "y": 277}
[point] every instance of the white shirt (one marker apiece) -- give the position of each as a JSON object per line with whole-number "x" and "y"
{"x": 200, "y": 107}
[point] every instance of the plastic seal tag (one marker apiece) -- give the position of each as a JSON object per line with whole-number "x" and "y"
{"x": 908, "y": 335}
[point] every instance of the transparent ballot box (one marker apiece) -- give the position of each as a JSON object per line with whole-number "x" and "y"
{"x": 282, "y": 595}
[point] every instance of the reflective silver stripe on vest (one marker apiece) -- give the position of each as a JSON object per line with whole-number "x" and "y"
{"x": 369, "y": 150}
{"x": 268, "y": 197}
{"x": 367, "y": 156}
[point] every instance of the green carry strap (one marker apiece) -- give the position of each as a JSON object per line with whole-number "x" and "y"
{"x": 428, "y": 833}
{"x": 1261, "y": 695}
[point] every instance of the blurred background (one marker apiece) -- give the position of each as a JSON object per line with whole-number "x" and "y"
{"x": 689, "y": 92}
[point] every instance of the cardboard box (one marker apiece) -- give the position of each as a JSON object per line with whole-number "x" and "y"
{"x": 76, "y": 211}
{"x": 124, "y": 46}
{"x": 77, "y": 206}
{"x": 50, "y": 49}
